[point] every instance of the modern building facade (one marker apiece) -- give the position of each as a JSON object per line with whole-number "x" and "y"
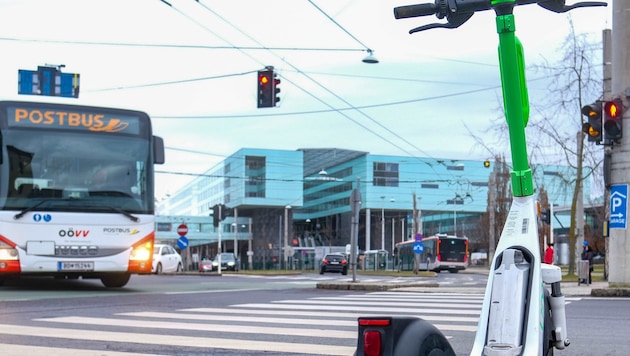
{"x": 284, "y": 206}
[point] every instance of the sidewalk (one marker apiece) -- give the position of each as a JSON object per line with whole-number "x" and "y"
{"x": 429, "y": 285}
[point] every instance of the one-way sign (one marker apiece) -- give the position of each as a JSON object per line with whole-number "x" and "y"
{"x": 618, "y": 206}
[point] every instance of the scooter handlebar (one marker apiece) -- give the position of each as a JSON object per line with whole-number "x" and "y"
{"x": 403, "y": 12}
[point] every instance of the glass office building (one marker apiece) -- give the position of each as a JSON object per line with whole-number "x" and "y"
{"x": 283, "y": 205}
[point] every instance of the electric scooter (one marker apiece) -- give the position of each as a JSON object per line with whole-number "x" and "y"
{"x": 523, "y": 311}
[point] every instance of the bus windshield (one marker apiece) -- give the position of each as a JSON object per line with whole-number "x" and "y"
{"x": 75, "y": 171}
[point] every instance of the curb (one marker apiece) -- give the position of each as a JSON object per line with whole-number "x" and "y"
{"x": 610, "y": 292}
{"x": 373, "y": 286}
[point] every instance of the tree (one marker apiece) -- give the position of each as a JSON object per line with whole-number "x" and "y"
{"x": 555, "y": 125}
{"x": 499, "y": 202}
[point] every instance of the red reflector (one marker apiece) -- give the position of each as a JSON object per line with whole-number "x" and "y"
{"x": 374, "y": 322}
{"x": 372, "y": 343}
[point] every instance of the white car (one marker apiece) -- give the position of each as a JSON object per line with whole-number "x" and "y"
{"x": 166, "y": 259}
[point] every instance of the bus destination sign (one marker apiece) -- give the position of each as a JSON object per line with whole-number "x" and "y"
{"x": 71, "y": 119}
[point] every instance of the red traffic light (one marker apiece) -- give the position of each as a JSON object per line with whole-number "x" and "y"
{"x": 613, "y": 112}
{"x": 264, "y": 79}
{"x": 265, "y": 88}
{"x": 612, "y": 109}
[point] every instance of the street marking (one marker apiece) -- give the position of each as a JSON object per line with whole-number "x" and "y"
{"x": 366, "y": 313}
{"x": 175, "y": 340}
{"x": 359, "y": 309}
{"x": 240, "y": 329}
{"x": 10, "y": 349}
{"x": 325, "y": 320}
{"x": 383, "y": 304}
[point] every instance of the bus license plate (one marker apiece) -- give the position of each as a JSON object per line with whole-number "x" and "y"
{"x": 76, "y": 266}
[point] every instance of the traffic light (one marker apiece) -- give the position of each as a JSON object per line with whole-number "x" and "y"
{"x": 593, "y": 126}
{"x": 545, "y": 216}
{"x": 216, "y": 216}
{"x": 268, "y": 88}
{"x": 613, "y": 112}
{"x": 276, "y": 89}
{"x": 265, "y": 88}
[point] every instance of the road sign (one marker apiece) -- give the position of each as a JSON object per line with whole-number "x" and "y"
{"x": 418, "y": 247}
{"x": 418, "y": 237}
{"x": 288, "y": 251}
{"x": 618, "y": 206}
{"x": 182, "y": 230}
{"x": 182, "y": 242}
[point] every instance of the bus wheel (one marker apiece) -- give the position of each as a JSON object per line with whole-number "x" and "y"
{"x": 115, "y": 280}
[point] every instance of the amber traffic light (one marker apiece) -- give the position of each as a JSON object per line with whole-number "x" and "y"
{"x": 593, "y": 124}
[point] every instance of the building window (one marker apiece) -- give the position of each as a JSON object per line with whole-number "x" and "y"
{"x": 385, "y": 174}
{"x": 256, "y": 173}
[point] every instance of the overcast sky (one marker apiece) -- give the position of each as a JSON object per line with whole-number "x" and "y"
{"x": 192, "y": 66}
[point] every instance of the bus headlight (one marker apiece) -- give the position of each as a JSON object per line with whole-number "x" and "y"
{"x": 143, "y": 252}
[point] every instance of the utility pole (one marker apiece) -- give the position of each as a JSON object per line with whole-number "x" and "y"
{"x": 355, "y": 204}
{"x": 607, "y": 89}
{"x": 619, "y": 168}
{"x": 492, "y": 197}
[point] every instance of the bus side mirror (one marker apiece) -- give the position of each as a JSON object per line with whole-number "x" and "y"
{"x": 158, "y": 150}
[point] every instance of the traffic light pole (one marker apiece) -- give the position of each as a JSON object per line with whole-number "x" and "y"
{"x": 618, "y": 257}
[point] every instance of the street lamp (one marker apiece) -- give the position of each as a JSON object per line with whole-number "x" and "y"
{"x": 286, "y": 236}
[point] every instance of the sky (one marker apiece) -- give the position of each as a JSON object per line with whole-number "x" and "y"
{"x": 192, "y": 66}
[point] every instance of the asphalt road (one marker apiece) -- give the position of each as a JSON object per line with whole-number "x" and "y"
{"x": 245, "y": 315}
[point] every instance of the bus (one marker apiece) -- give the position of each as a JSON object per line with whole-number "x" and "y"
{"x": 440, "y": 252}
{"x": 76, "y": 191}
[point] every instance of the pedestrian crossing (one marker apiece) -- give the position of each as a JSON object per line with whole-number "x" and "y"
{"x": 324, "y": 325}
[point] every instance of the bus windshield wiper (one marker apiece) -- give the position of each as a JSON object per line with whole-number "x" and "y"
{"x": 30, "y": 208}
{"x": 125, "y": 213}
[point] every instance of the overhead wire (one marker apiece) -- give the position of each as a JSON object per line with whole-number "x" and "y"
{"x": 341, "y": 27}
{"x": 341, "y": 112}
{"x": 351, "y": 106}
{"x": 318, "y": 84}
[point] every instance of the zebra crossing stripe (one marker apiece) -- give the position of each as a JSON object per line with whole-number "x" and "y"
{"x": 175, "y": 340}
{"x": 241, "y": 329}
{"x": 10, "y": 349}
{"x": 383, "y": 310}
{"x": 247, "y": 319}
{"x": 383, "y": 303}
{"x": 323, "y": 314}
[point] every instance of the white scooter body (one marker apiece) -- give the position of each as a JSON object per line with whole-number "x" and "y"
{"x": 500, "y": 329}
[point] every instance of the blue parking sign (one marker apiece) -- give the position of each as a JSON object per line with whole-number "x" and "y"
{"x": 618, "y": 206}
{"x": 418, "y": 247}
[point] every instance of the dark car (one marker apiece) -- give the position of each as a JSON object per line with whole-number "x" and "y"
{"x": 334, "y": 262}
{"x": 228, "y": 262}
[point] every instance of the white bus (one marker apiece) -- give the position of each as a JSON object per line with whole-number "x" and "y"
{"x": 76, "y": 191}
{"x": 440, "y": 252}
